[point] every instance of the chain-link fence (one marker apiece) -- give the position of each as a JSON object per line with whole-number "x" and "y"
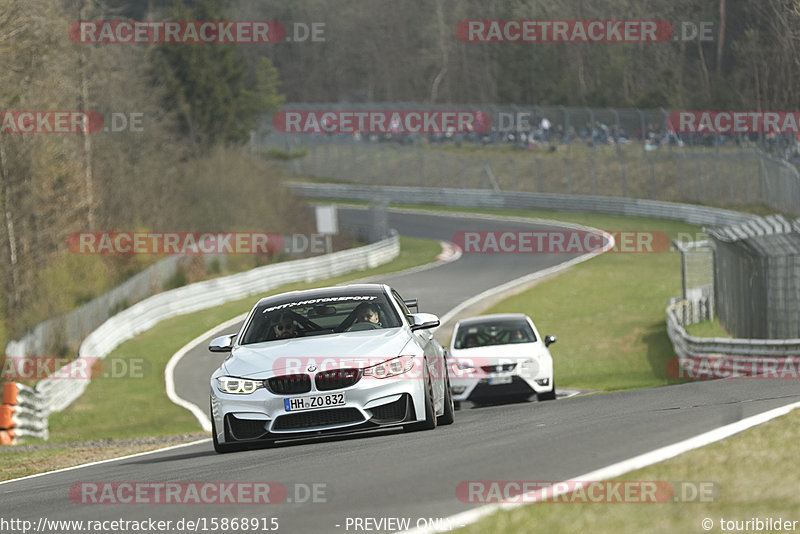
{"x": 757, "y": 272}
{"x": 619, "y": 153}
{"x": 697, "y": 279}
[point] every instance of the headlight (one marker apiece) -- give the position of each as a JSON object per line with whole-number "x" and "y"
{"x": 393, "y": 367}
{"x": 464, "y": 364}
{"x": 238, "y": 386}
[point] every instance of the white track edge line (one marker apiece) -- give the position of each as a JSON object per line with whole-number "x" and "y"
{"x": 169, "y": 371}
{"x": 618, "y": 469}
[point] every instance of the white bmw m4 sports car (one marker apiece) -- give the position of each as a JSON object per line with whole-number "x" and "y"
{"x": 500, "y": 356}
{"x": 329, "y": 360}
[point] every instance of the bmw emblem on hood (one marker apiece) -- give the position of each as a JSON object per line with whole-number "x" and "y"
{"x": 312, "y": 368}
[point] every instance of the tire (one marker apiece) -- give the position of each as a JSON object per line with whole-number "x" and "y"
{"x": 430, "y": 413}
{"x": 457, "y": 405}
{"x": 222, "y": 448}
{"x": 448, "y": 416}
{"x": 548, "y": 395}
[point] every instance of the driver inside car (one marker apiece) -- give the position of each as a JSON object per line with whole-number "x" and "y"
{"x": 367, "y": 313}
{"x": 285, "y": 327}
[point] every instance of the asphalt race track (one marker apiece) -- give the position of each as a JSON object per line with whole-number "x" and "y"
{"x": 411, "y": 475}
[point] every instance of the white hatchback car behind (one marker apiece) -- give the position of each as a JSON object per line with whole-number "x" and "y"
{"x": 500, "y": 356}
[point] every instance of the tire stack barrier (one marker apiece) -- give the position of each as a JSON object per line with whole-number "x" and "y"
{"x": 20, "y": 414}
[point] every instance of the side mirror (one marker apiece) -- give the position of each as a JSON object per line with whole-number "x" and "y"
{"x": 422, "y": 321}
{"x": 549, "y": 340}
{"x": 222, "y": 343}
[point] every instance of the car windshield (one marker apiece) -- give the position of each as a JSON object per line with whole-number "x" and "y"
{"x": 494, "y": 333}
{"x": 320, "y": 316}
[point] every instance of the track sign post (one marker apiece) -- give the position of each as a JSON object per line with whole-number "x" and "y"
{"x": 327, "y": 224}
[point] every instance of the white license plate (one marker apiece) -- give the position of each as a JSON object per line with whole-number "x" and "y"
{"x": 498, "y": 380}
{"x": 313, "y": 402}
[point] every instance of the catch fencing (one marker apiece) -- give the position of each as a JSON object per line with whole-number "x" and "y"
{"x": 757, "y": 273}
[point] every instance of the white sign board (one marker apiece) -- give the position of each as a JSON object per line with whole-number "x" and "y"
{"x": 327, "y": 220}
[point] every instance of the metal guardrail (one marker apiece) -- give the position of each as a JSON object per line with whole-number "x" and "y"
{"x": 56, "y": 393}
{"x": 482, "y": 198}
{"x": 692, "y": 347}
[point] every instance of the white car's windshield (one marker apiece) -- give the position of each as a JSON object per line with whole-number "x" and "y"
{"x": 494, "y": 333}
{"x": 319, "y": 316}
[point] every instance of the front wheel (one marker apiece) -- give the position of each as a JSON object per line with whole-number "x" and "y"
{"x": 448, "y": 416}
{"x": 430, "y": 412}
{"x": 222, "y": 448}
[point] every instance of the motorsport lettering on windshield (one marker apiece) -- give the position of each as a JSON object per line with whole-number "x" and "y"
{"x": 316, "y": 301}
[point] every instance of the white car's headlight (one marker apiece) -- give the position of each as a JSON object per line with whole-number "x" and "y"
{"x": 238, "y": 386}
{"x": 393, "y": 367}
{"x": 464, "y": 364}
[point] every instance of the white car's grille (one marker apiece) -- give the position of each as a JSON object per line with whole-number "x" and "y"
{"x": 336, "y": 379}
{"x": 501, "y": 368}
{"x": 289, "y": 384}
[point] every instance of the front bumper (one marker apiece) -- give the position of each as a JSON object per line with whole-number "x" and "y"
{"x": 476, "y": 385}
{"x": 370, "y": 404}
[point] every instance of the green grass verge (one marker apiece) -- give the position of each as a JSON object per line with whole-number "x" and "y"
{"x": 708, "y": 329}
{"x": 15, "y": 465}
{"x": 759, "y": 482}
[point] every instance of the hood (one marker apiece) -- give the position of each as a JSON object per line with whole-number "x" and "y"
{"x": 262, "y": 360}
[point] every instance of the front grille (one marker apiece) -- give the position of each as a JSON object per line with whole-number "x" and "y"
{"x": 337, "y": 379}
{"x": 498, "y": 368}
{"x": 313, "y": 419}
{"x": 246, "y": 428}
{"x": 517, "y": 387}
{"x": 393, "y": 411}
{"x": 289, "y": 384}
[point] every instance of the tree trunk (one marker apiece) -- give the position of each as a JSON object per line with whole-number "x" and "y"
{"x": 9, "y": 220}
{"x": 87, "y": 139}
{"x": 720, "y": 35}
